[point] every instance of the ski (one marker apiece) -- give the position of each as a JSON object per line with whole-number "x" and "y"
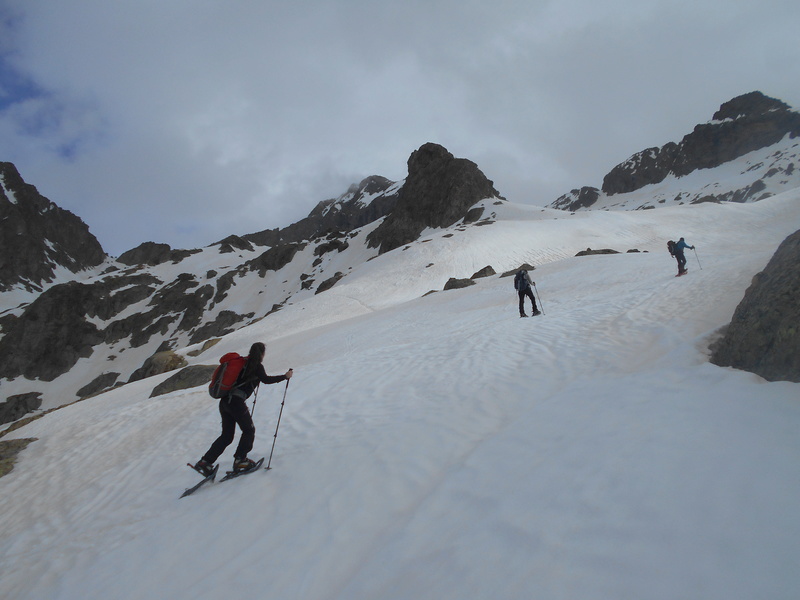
{"x": 684, "y": 273}
{"x": 194, "y": 488}
{"x": 234, "y": 474}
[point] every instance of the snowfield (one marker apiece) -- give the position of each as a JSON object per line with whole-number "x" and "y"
{"x": 439, "y": 447}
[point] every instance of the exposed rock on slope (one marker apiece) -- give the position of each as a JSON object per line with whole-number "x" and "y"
{"x": 18, "y": 406}
{"x": 150, "y": 253}
{"x": 368, "y": 201}
{"x": 747, "y": 124}
{"x": 764, "y": 334}
{"x": 439, "y": 190}
{"x": 36, "y": 236}
{"x": 577, "y": 199}
{"x": 744, "y": 124}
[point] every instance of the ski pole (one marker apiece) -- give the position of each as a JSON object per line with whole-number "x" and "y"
{"x": 275, "y": 437}
{"x": 255, "y": 399}
{"x": 541, "y": 306}
{"x": 698, "y": 260}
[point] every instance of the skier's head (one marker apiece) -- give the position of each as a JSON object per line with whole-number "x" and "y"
{"x": 680, "y": 240}
{"x": 257, "y": 351}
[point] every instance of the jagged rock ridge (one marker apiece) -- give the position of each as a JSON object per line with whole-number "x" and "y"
{"x": 372, "y": 199}
{"x": 37, "y": 237}
{"x": 745, "y": 124}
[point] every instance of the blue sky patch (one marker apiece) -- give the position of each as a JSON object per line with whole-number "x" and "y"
{"x": 15, "y": 87}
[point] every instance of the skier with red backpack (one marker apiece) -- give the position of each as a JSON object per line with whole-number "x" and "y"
{"x": 233, "y": 383}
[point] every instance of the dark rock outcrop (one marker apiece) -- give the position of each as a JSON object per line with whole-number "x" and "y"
{"x": 590, "y": 252}
{"x": 36, "y": 236}
{"x": 9, "y": 449}
{"x": 329, "y": 283}
{"x": 764, "y": 334}
{"x": 58, "y": 328}
{"x": 185, "y": 379}
{"x": 368, "y": 201}
{"x": 274, "y": 259}
{"x": 152, "y": 254}
{"x": 160, "y": 362}
{"x": 741, "y": 125}
{"x": 233, "y": 243}
{"x": 576, "y": 199}
{"x": 16, "y": 407}
{"x": 99, "y": 384}
{"x": 439, "y": 191}
{"x": 455, "y": 284}
{"x": 224, "y": 323}
{"x": 51, "y": 335}
{"x": 486, "y": 271}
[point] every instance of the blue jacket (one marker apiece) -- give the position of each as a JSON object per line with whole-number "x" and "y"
{"x": 681, "y": 245}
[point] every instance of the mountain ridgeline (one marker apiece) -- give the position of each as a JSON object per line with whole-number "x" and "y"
{"x": 37, "y": 237}
{"x": 136, "y": 306}
{"x": 66, "y": 305}
{"x": 744, "y": 125}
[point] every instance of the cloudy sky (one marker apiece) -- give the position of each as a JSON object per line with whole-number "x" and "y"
{"x": 184, "y": 121}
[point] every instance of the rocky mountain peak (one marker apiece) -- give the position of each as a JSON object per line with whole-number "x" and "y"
{"x": 37, "y": 237}
{"x": 741, "y": 125}
{"x": 371, "y": 199}
{"x": 748, "y": 106}
{"x": 439, "y": 191}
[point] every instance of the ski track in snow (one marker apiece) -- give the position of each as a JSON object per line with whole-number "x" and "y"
{"x": 445, "y": 448}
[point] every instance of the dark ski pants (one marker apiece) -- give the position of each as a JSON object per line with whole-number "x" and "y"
{"x": 529, "y": 293}
{"x": 233, "y": 411}
{"x": 681, "y": 261}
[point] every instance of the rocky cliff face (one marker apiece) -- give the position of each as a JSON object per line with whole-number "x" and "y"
{"x": 757, "y": 135}
{"x": 439, "y": 191}
{"x": 744, "y": 124}
{"x": 36, "y": 236}
{"x": 577, "y": 199}
{"x": 365, "y": 202}
{"x": 139, "y": 306}
{"x": 764, "y": 334}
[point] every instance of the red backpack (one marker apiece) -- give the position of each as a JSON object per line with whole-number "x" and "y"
{"x": 225, "y": 375}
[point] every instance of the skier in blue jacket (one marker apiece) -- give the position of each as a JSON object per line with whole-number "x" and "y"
{"x": 678, "y": 251}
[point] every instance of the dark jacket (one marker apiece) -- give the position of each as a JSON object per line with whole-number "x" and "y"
{"x": 245, "y": 387}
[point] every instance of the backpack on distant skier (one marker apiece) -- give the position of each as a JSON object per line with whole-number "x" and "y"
{"x": 520, "y": 281}
{"x": 671, "y": 247}
{"x": 226, "y": 374}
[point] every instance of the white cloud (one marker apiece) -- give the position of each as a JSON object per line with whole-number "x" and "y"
{"x": 257, "y": 111}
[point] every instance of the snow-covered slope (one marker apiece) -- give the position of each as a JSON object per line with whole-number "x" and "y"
{"x": 437, "y": 446}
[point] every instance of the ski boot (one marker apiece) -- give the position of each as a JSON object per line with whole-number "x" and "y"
{"x": 204, "y": 468}
{"x": 240, "y": 465}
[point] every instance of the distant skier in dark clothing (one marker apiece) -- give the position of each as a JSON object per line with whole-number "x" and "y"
{"x": 677, "y": 251}
{"x": 233, "y": 410}
{"x": 522, "y": 283}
